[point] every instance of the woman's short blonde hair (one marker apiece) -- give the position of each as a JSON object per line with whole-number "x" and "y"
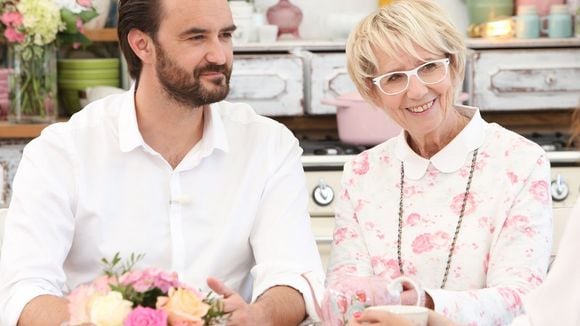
{"x": 397, "y": 29}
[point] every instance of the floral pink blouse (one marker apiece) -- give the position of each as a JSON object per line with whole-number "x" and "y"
{"x": 503, "y": 247}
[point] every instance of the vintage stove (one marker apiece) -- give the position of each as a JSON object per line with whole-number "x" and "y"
{"x": 323, "y": 162}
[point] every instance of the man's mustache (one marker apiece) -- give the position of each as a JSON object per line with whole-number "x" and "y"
{"x": 211, "y": 68}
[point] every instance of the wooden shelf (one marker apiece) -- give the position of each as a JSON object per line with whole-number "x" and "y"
{"x": 20, "y": 131}
{"x": 102, "y": 35}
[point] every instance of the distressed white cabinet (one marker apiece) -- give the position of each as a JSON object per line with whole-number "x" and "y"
{"x": 273, "y": 84}
{"x": 10, "y": 154}
{"x": 529, "y": 75}
{"x": 328, "y": 79}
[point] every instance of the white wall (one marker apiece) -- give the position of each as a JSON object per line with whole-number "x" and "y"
{"x": 315, "y": 24}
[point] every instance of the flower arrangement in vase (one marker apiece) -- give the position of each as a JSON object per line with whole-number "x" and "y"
{"x": 33, "y": 30}
{"x": 152, "y": 297}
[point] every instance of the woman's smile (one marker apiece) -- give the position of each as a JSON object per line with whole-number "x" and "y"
{"x": 421, "y": 108}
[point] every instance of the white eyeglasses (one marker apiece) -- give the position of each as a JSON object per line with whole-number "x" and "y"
{"x": 396, "y": 82}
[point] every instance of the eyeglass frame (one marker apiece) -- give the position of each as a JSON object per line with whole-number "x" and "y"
{"x": 411, "y": 73}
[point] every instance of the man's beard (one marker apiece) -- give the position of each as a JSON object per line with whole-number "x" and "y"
{"x": 187, "y": 88}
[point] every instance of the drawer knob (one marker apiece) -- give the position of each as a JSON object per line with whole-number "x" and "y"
{"x": 550, "y": 80}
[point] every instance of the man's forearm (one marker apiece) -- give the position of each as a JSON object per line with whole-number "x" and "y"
{"x": 44, "y": 310}
{"x": 281, "y": 305}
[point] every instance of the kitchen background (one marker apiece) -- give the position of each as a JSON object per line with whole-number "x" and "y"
{"x": 523, "y": 78}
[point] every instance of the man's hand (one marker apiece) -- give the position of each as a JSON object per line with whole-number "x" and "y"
{"x": 241, "y": 313}
{"x": 279, "y": 305}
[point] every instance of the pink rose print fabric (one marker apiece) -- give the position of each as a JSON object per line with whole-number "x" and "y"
{"x": 504, "y": 244}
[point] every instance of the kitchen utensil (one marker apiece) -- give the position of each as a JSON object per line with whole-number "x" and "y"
{"x": 361, "y": 123}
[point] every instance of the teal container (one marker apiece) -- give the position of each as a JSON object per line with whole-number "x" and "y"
{"x": 559, "y": 22}
{"x": 481, "y": 11}
{"x": 527, "y": 22}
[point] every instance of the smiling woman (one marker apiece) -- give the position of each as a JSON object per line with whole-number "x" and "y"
{"x": 459, "y": 205}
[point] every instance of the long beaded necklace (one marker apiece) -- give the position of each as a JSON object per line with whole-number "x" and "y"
{"x": 457, "y": 228}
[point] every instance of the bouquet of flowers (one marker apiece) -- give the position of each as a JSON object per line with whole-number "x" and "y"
{"x": 33, "y": 29}
{"x": 31, "y": 24}
{"x": 150, "y": 297}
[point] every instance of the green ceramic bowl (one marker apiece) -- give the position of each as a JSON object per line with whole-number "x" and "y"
{"x": 88, "y": 64}
{"x": 81, "y": 85}
{"x": 68, "y": 74}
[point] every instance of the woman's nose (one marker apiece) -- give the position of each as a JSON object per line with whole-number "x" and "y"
{"x": 416, "y": 88}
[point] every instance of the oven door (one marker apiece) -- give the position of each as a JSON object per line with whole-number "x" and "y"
{"x": 323, "y": 186}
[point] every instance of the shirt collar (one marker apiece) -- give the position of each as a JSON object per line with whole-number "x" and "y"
{"x": 214, "y": 134}
{"x": 453, "y": 156}
{"x": 129, "y": 135}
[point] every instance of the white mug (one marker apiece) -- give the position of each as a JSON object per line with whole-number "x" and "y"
{"x": 417, "y": 315}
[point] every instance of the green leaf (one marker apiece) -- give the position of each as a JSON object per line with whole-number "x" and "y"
{"x": 70, "y": 21}
{"x": 79, "y": 38}
{"x": 88, "y": 15}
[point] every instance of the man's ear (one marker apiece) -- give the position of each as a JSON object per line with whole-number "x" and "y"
{"x": 142, "y": 45}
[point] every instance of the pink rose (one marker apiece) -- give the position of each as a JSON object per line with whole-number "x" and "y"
{"x": 13, "y": 35}
{"x": 148, "y": 279}
{"x": 12, "y": 18}
{"x": 143, "y": 316}
{"x": 85, "y": 3}
{"x": 78, "y": 304}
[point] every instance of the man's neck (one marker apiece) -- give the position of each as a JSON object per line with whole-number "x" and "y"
{"x": 169, "y": 127}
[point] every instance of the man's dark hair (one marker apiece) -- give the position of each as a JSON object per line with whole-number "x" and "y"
{"x": 144, "y": 15}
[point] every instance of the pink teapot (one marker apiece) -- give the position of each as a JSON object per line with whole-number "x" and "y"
{"x": 354, "y": 293}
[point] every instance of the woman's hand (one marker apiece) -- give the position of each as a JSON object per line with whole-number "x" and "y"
{"x": 410, "y": 294}
{"x": 384, "y": 318}
{"x": 376, "y": 317}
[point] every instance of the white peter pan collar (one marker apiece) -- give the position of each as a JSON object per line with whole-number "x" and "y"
{"x": 453, "y": 156}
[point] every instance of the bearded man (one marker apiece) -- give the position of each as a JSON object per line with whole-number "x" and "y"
{"x": 200, "y": 186}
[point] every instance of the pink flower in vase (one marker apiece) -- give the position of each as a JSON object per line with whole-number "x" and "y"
{"x": 85, "y": 3}
{"x": 13, "y": 36}
{"x": 11, "y": 18}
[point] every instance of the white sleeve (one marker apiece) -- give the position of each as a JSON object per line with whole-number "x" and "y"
{"x": 282, "y": 240}
{"x": 39, "y": 226}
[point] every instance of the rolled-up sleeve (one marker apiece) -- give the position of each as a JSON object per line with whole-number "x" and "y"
{"x": 282, "y": 239}
{"x": 39, "y": 227}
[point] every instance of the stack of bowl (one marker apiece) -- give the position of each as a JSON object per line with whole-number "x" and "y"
{"x": 76, "y": 75}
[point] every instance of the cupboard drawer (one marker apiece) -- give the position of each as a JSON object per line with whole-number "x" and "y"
{"x": 524, "y": 79}
{"x": 272, "y": 84}
{"x": 329, "y": 79}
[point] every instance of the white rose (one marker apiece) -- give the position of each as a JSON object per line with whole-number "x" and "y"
{"x": 109, "y": 310}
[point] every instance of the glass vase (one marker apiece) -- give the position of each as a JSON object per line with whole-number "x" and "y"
{"x": 33, "y": 84}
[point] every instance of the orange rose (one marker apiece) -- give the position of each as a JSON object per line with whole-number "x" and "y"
{"x": 183, "y": 307}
